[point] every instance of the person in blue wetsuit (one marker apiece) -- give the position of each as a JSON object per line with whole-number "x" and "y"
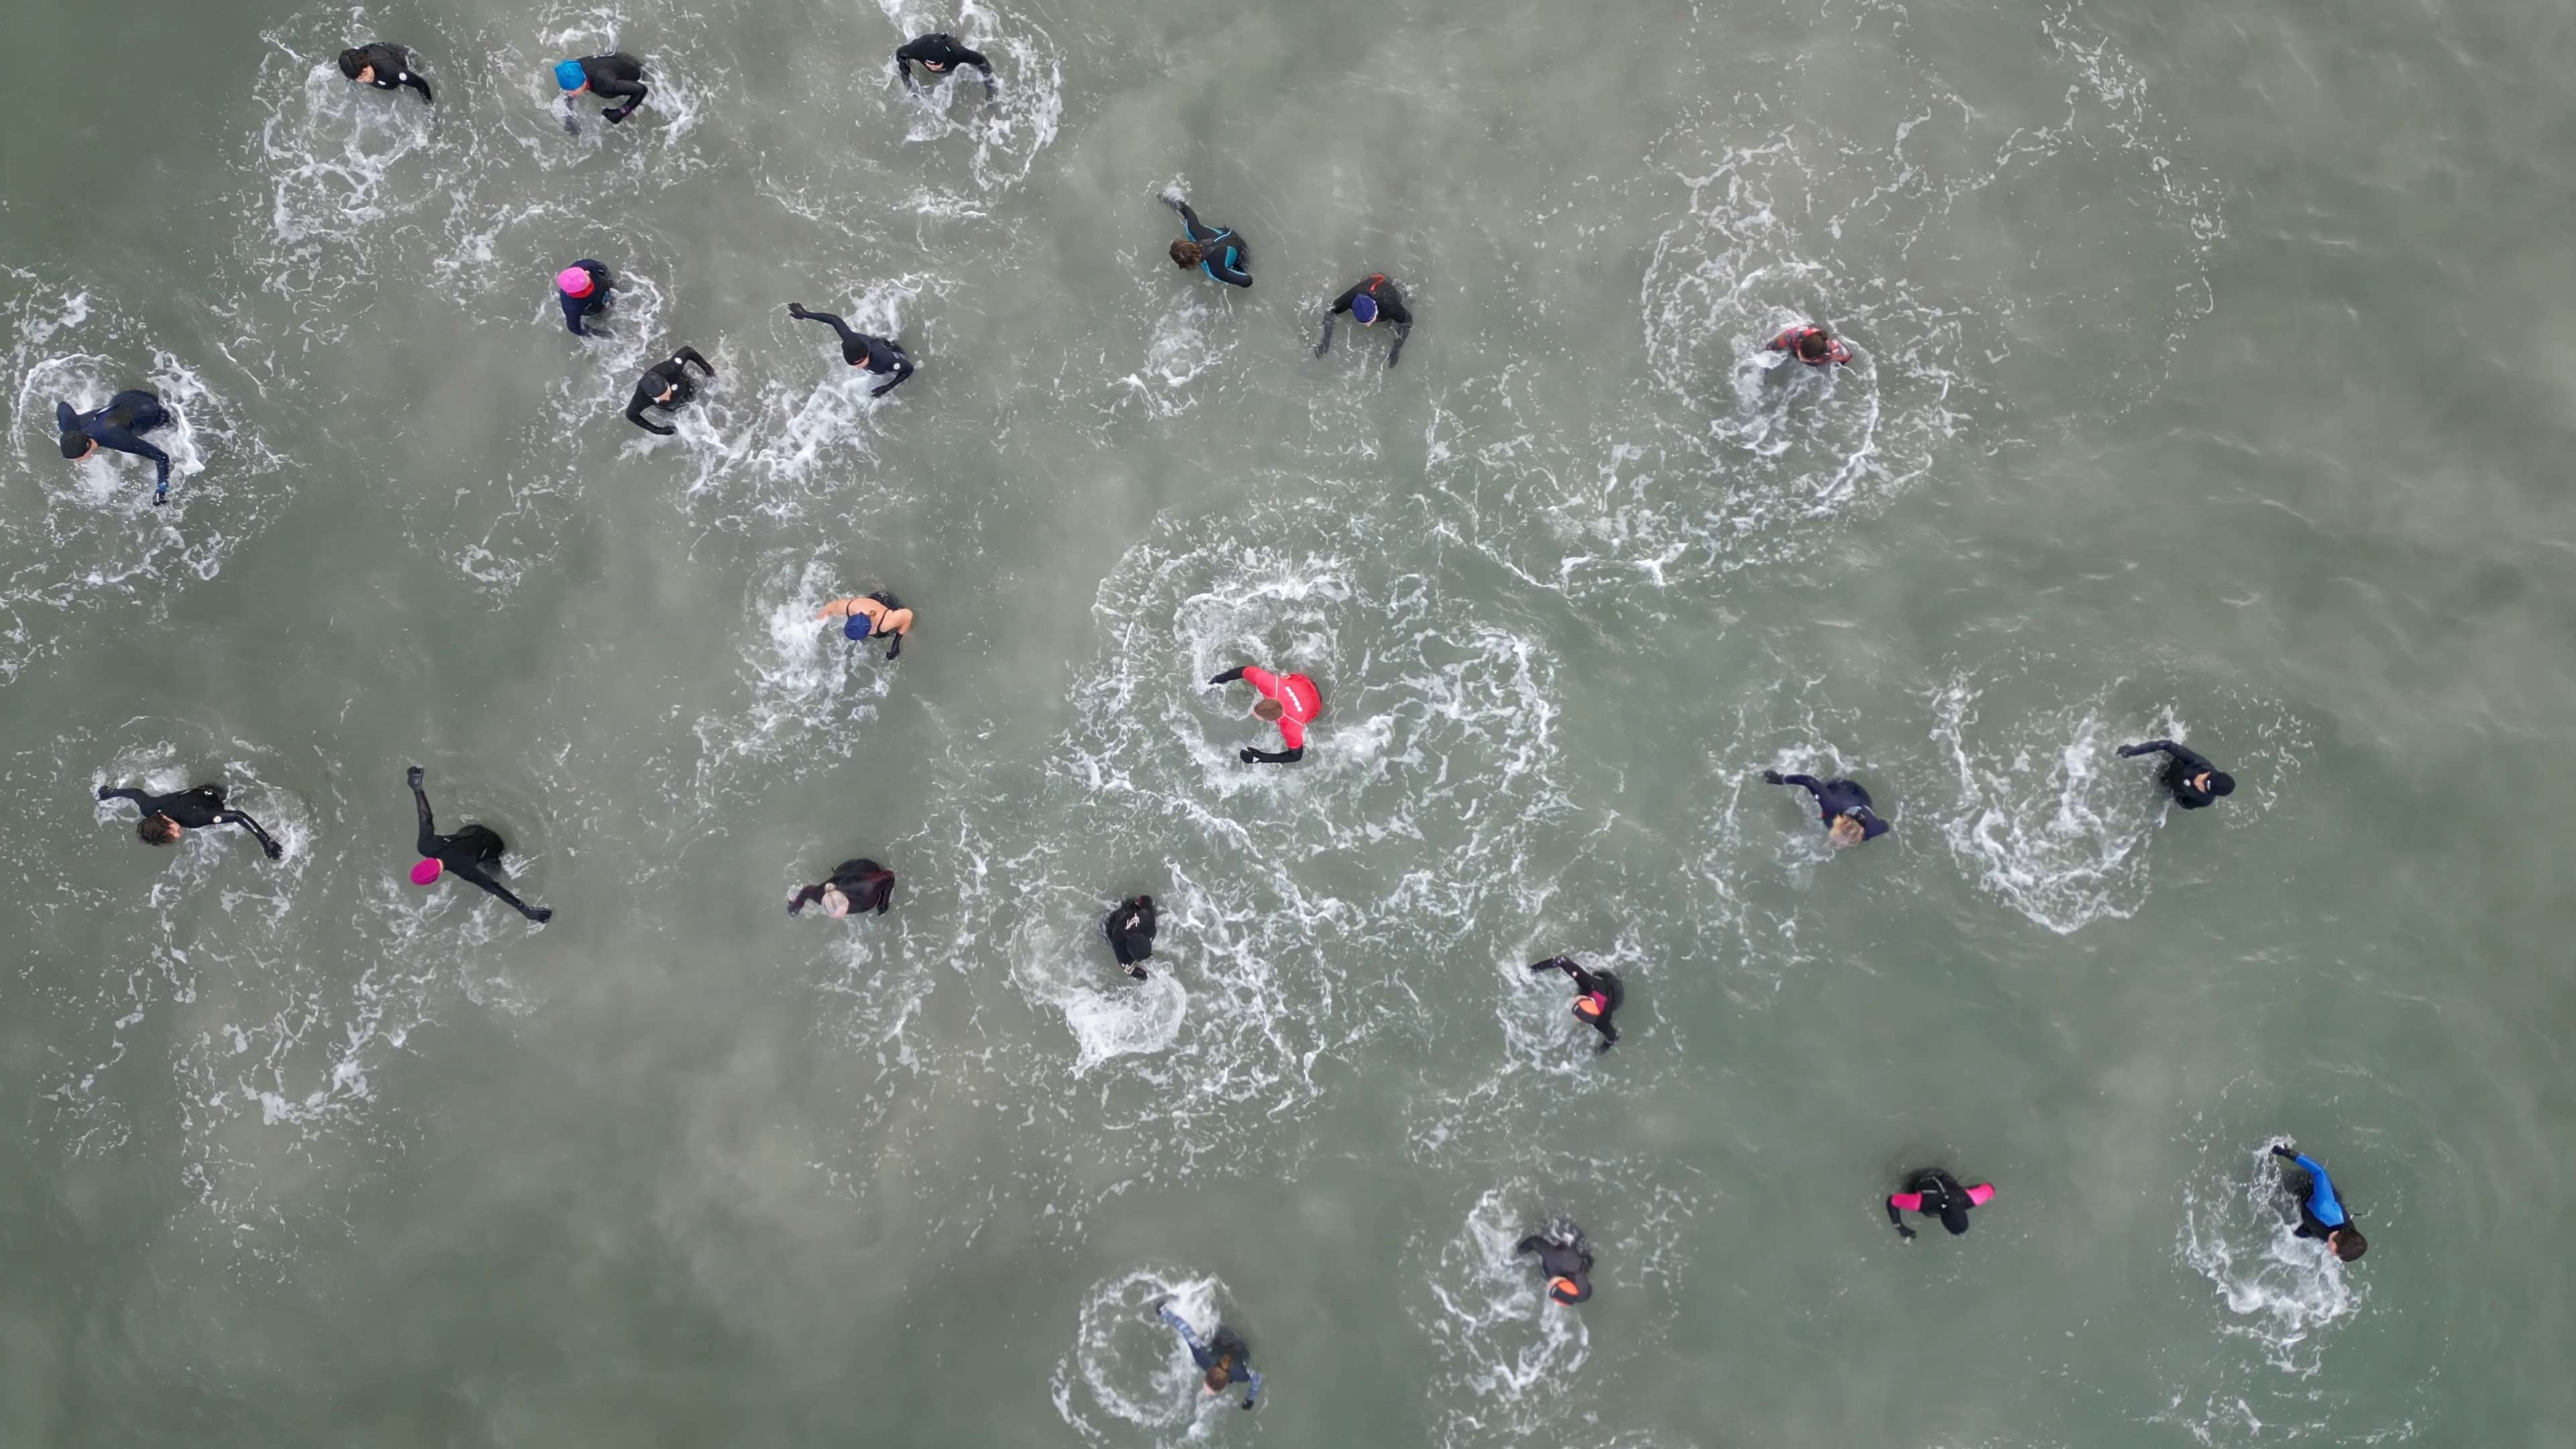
{"x": 2321, "y": 1212}
{"x": 120, "y": 425}
{"x": 860, "y": 349}
{"x": 1228, "y": 1360}
{"x": 1218, "y": 251}
{"x": 2194, "y": 781}
{"x": 1843, "y": 805}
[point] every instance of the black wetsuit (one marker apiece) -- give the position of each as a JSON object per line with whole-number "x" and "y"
{"x": 469, "y": 854}
{"x": 944, "y": 49}
{"x": 120, "y": 425}
{"x": 1585, "y": 984}
{"x": 1223, "y": 253}
{"x": 576, "y": 308}
{"x": 1390, "y": 305}
{"x": 618, "y": 76}
{"x": 859, "y": 349}
{"x": 1935, "y": 1194}
{"x": 673, "y": 374}
{"x": 869, "y": 886}
{"x": 1835, "y": 798}
{"x": 392, "y": 63}
{"x": 1130, "y": 929}
{"x": 1562, "y": 1253}
{"x": 2179, "y": 770}
{"x": 196, "y": 808}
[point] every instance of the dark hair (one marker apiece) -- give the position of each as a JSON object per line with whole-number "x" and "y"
{"x": 887, "y": 598}
{"x": 1815, "y": 344}
{"x": 2349, "y": 1243}
{"x": 352, "y": 62}
{"x": 2221, "y": 783}
{"x": 1145, "y": 901}
{"x": 1186, "y": 254}
{"x": 1954, "y": 1215}
{"x": 157, "y": 829}
{"x": 75, "y": 445}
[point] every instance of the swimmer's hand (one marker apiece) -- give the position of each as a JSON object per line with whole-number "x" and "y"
{"x": 1248, "y": 755}
{"x": 275, "y": 850}
{"x": 2284, "y": 1149}
{"x": 1771, "y": 777}
{"x": 1904, "y": 1233}
{"x": 541, "y": 914}
{"x": 414, "y": 775}
{"x": 613, "y": 117}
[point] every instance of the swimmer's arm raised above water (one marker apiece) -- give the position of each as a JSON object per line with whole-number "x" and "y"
{"x": 2183, "y": 753}
{"x": 1809, "y": 783}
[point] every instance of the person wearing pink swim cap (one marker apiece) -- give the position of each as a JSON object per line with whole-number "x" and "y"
{"x": 471, "y": 853}
{"x": 582, "y": 291}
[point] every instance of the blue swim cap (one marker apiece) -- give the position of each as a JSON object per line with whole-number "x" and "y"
{"x": 569, "y": 75}
{"x": 855, "y": 627}
{"x": 1364, "y": 307}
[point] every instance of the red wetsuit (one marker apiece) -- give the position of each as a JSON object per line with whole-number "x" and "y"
{"x": 1296, "y": 694}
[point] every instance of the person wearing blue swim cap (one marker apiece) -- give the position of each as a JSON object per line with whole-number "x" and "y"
{"x": 614, "y": 76}
{"x": 879, "y": 613}
{"x": 1369, "y": 299}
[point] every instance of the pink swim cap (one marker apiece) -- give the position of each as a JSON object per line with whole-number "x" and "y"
{"x": 426, "y": 871}
{"x": 573, "y": 282}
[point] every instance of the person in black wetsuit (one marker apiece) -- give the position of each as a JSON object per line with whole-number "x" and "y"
{"x": 1842, "y": 804}
{"x": 856, "y": 885}
{"x": 1936, "y": 1194}
{"x": 939, "y": 54}
{"x": 1369, "y": 299}
{"x": 1218, "y": 251}
{"x": 1597, "y": 995}
{"x": 1130, "y": 929}
{"x": 583, "y": 290}
{"x": 167, "y": 817}
{"x": 1564, "y": 1257}
{"x": 613, "y": 76}
{"x": 858, "y": 349}
{"x": 383, "y": 66}
{"x": 119, "y": 425}
{"x": 470, "y": 853}
{"x": 2193, "y": 780}
{"x": 665, "y": 385}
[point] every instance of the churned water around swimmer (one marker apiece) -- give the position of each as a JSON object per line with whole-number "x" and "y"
{"x": 2179, "y": 409}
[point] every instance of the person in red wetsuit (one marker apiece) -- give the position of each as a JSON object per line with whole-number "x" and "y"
{"x": 1289, "y": 701}
{"x": 1813, "y": 346}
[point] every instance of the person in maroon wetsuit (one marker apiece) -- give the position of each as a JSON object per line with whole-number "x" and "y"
{"x": 1289, "y": 701}
{"x": 1813, "y": 346}
{"x": 855, "y": 886}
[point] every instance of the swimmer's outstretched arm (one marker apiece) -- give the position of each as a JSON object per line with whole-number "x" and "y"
{"x": 1229, "y": 677}
{"x": 848, "y": 337}
{"x": 242, "y": 819}
{"x": 690, "y": 355}
{"x": 1809, "y": 783}
{"x": 902, "y": 370}
{"x": 1251, "y": 756}
{"x": 1182, "y": 1327}
{"x": 1340, "y": 305}
{"x": 429, "y": 842}
{"x": 140, "y": 798}
{"x": 1252, "y": 1379}
{"x": 475, "y": 874}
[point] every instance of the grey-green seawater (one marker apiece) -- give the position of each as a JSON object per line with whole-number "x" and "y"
{"x": 2214, "y": 379}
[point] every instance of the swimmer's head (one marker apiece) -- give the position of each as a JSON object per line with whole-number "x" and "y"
{"x": 1815, "y": 346}
{"x": 427, "y": 869}
{"x": 159, "y": 830}
{"x": 935, "y": 64}
{"x": 1847, "y": 829}
{"x": 569, "y": 75}
{"x": 77, "y": 446}
{"x": 1364, "y": 308}
{"x": 353, "y": 64}
{"x": 1955, "y": 1217}
{"x": 2218, "y": 782}
{"x": 835, "y": 904}
{"x": 1219, "y": 1374}
{"x": 573, "y": 282}
{"x": 1588, "y": 1005}
{"x": 1145, "y": 903}
{"x": 2347, "y": 1242}
{"x": 855, "y": 627}
{"x": 1186, "y": 254}
{"x": 1269, "y": 709}
{"x": 1564, "y": 1290}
